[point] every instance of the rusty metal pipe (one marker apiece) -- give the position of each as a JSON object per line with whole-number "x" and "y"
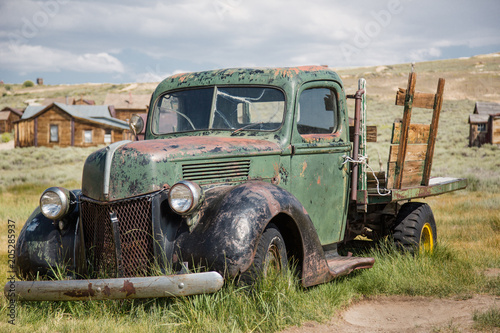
{"x": 119, "y": 288}
{"x": 355, "y": 149}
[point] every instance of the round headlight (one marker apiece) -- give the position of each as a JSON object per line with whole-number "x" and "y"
{"x": 184, "y": 197}
{"x": 55, "y": 202}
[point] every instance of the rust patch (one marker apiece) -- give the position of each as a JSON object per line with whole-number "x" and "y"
{"x": 304, "y": 167}
{"x": 313, "y": 138}
{"x": 319, "y": 180}
{"x": 162, "y": 149}
{"x": 107, "y": 291}
{"x": 128, "y": 287}
{"x": 81, "y": 293}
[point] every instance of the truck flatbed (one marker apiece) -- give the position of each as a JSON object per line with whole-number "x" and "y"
{"x": 437, "y": 186}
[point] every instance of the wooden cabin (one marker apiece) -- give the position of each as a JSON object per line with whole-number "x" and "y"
{"x": 125, "y": 105}
{"x": 484, "y": 124}
{"x": 9, "y": 115}
{"x": 69, "y": 125}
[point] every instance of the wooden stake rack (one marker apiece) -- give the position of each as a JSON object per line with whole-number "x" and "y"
{"x": 412, "y": 145}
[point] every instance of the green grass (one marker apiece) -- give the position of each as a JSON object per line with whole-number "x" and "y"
{"x": 487, "y": 320}
{"x": 6, "y": 137}
{"x": 273, "y": 305}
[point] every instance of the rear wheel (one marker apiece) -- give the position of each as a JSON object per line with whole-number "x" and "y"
{"x": 270, "y": 256}
{"x": 415, "y": 229}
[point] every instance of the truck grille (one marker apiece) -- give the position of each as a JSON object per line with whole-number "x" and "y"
{"x": 212, "y": 172}
{"x": 136, "y": 236}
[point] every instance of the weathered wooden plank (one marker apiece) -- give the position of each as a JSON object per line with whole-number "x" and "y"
{"x": 433, "y": 132}
{"x": 413, "y": 152}
{"x": 420, "y": 100}
{"x": 417, "y": 133}
{"x": 372, "y": 183}
{"x": 412, "y": 174}
{"x": 371, "y": 133}
{"x": 494, "y": 124}
{"x": 405, "y": 125}
{"x": 25, "y": 133}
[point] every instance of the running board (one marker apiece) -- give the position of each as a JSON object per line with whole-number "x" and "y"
{"x": 341, "y": 265}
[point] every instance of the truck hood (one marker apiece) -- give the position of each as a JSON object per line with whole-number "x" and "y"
{"x": 126, "y": 169}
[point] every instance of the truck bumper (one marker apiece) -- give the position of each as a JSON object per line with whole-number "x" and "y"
{"x": 116, "y": 288}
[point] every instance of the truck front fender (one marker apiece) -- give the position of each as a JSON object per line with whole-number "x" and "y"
{"x": 232, "y": 220}
{"x": 43, "y": 248}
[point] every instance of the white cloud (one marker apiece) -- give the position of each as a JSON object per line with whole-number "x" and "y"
{"x": 27, "y": 58}
{"x": 155, "y": 74}
{"x": 105, "y": 36}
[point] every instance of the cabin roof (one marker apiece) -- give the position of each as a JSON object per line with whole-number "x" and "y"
{"x": 95, "y": 113}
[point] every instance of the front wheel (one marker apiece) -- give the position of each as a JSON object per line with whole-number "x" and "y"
{"x": 270, "y": 256}
{"x": 415, "y": 228}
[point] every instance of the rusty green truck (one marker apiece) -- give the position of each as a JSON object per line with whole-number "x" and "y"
{"x": 240, "y": 170}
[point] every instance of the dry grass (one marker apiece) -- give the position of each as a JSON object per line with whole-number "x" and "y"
{"x": 475, "y": 78}
{"x": 469, "y": 222}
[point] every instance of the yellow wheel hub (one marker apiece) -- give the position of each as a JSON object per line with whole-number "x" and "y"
{"x": 426, "y": 239}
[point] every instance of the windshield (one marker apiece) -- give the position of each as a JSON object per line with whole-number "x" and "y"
{"x": 220, "y": 108}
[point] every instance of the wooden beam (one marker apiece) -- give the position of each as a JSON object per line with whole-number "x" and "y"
{"x": 72, "y": 131}
{"x": 405, "y": 125}
{"x": 420, "y": 100}
{"x": 36, "y": 132}
{"x": 438, "y": 103}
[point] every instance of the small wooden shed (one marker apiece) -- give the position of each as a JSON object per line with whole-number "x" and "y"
{"x": 69, "y": 125}
{"x": 9, "y": 115}
{"x": 484, "y": 124}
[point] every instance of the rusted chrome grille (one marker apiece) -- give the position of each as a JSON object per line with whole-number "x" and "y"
{"x": 216, "y": 171}
{"x": 136, "y": 236}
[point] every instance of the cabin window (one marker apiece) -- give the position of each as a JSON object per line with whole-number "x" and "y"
{"x": 481, "y": 127}
{"x": 87, "y": 136}
{"x": 107, "y": 136}
{"x": 54, "y": 133}
{"x": 317, "y": 111}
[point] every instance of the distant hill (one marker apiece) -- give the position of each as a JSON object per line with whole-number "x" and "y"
{"x": 474, "y": 78}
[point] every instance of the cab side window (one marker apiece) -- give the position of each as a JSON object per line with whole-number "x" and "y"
{"x": 317, "y": 111}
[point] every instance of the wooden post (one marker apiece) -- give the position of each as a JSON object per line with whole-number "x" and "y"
{"x": 405, "y": 126}
{"x": 72, "y": 131}
{"x": 35, "y": 122}
{"x": 438, "y": 103}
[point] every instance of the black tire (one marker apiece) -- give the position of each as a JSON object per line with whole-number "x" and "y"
{"x": 415, "y": 229}
{"x": 270, "y": 255}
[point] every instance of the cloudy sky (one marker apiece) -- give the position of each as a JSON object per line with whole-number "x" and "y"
{"x": 118, "y": 41}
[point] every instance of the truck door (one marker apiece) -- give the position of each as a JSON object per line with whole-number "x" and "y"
{"x": 320, "y": 139}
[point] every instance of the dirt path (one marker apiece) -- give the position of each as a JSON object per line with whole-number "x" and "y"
{"x": 405, "y": 314}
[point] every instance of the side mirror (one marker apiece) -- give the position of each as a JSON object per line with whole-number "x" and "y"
{"x": 136, "y": 124}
